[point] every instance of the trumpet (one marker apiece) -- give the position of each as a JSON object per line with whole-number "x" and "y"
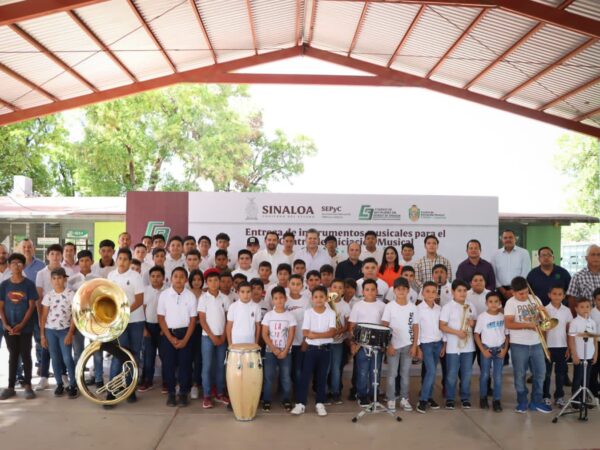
{"x": 331, "y": 298}
{"x": 464, "y": 325}
{"x": 543, "y": 322}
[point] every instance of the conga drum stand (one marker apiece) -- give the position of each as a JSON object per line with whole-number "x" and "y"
{"x": 375, "y": 407}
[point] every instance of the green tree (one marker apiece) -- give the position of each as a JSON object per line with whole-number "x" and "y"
{"x": 579, "y": 160}
{"x": 27, "y": 148}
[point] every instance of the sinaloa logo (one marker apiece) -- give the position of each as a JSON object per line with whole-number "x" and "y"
{"x": 158, "y": 227}
{"x": 365, "y": 213}
{"x": 414, "y": 213}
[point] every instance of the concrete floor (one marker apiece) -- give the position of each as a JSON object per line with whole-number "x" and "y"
{"x": 49, "y": 422}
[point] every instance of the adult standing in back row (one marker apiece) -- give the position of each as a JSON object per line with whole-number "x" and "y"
{"x": 476, "y": 264}
{"x": 424, "y": 266}
{"x": 509, "y": 262}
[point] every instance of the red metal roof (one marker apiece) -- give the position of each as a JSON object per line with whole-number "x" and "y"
{"x": 539, "y": 59}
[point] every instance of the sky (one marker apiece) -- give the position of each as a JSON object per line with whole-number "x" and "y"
{"x": 392, "y": 140}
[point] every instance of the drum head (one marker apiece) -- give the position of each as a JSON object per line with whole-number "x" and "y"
{"x": 373, "y": 326}
{"x": 243, "y": 348}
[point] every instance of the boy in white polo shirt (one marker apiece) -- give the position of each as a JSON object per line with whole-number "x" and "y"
{"x": 556, "y": 339}
{"x": 460, "y": 348}
{"x": 369, "y": 270}
{"x": 582, "y": 348}
{"x": 244, "y": 264}
{"x": 176, "y": 314}
{"x": 243, "y": 318}
{"x": 297, "y": 304}
{"x": 369, "y": 310}
{"x": 132, "y": 338}
{"x": 401, "y": 317}
{"x": 211, "y": 312}
{"x": 476, "y": 296}
{"x": 337, "y": 347}
{"x": 318, "y": 329}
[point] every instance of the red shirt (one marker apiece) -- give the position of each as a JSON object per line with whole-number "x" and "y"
{"x": 389, "y": 275}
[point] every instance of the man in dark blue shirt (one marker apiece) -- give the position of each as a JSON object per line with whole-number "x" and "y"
{"x": 351, "y": 267}
{"x": 547, "y": 275}
{"x": 17, "y": 303}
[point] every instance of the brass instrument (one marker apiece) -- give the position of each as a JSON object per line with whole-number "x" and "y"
{"x": 464, "y": 325}
{"x": 543, "y": 322}
{"x": 438, "y": 298}
{"x": 331, "y": 298}
{"x": 101, "y": 313}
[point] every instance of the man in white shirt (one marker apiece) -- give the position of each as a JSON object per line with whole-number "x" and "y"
{"x": 175, "y": 257}
{"x": 131, "y": 283}
{"x": 271, "y": 253}
{"x": 332, "y": 250}
{"x": 370, "y": 249}
{"x": 124, "y": 241}
{"x": 68, "y": 261}
{"x": 509, "y": 262}
{"x": 312, "y": 254}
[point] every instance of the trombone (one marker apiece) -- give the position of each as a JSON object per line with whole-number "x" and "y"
{"x": 543, "y": 321}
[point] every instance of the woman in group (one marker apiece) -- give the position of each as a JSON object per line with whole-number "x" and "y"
{"x": 390, "y": 267}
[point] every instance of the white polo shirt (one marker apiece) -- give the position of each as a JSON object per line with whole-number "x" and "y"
{"x": 171, "y": 263}
{"x": 74, "y": 282}
{"x": 557, "y": 336}
{"x": 382, "y": 288}
{"x": 214, "y": 308}
{"x": 151, "y": 296}
{"x": 391, "y": 297}
{"x": 250, "y": 273}
{"x": 429, "y": 323}
{"x": 298, "y": 308}
{"x": 445, "y": 294}
{"x": 477, "y": 300}
{"x": 377, "y": 254}
{"x": 245, "y": 318}
{"x": 581, "y": 325}
{"x": 177, "y": 309}
{"x": 44, "y": 280}
{"x": 131, "y": 283}
{"x": 367, "y": 312}
{"x": 103, "y": 272}
{"x": 313, "y": 262}
{"x": 275, "y": 258}
{"x": 319, "y": 323}
{"x": 452, "y": 314}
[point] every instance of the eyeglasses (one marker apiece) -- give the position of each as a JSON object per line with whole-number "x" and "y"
{"x": 16, "y": 263}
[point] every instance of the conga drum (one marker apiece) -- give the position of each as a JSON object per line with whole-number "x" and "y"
{"x": 244, "y": 379}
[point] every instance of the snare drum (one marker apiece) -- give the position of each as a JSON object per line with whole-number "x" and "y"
{"x": 244, "y": 379}
{"x": 372, "y": 335}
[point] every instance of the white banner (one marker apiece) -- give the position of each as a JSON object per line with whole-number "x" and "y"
{"x": 395, "y": 218}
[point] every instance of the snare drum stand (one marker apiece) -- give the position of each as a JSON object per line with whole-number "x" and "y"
{"x": 374, "y": 407}
{"x": 584, "y": 391}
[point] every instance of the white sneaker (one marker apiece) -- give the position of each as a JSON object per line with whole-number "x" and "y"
{"x": 65, "y": 380}
{"x": 547, "y": 402}
{"x": 195, "y": 393}
{"x": 43, "y": 384}
{"x": 320, "y": 408}
{"x": 405, "y": 404}
{"x": 299, "y": 409}
{"x": 560, "y": 402}
{"x": 391, "y": 404}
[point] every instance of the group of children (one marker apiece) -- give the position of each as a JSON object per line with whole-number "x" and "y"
{"x": 188, "y": 315}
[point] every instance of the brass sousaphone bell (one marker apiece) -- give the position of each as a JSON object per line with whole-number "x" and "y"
{"x": 101, "y": 313}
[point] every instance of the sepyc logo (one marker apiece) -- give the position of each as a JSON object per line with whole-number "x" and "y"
{"x": 158, "y": 227}
{"x": 367, "y": 212}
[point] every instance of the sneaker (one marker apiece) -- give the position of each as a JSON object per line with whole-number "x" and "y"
{"x": 560, "y": 402}
{"x": 321, "y": 411}
{"x": 132, "y": 398}
{"x": 7, "y": 393}
{"x": 171, "y": 401}
{"x": 29, "y": 394}
{"x": 222, "y": 398}
{"x": 352, "y": 396}
{"x": 99, "y": 384}
{"x": 298, "y": 409}
{"x": 65, "y": 379}
{"x": 72, "y": 392}
{"x": 21, "y": 382}
{"x": 466, "y": 404}
{"x": 337, "y": 399}
{"x": 449, "y": 404}
{"x": 541, "y": 407}
{"x": 109, "y": 396}
{"x": 287, "y": 405}
{"x": 483, "y": 403}
{"x": 59, "y": 391}
{"x": 405, "y": 404}
{"x": 145, "y": 386}
{"x": 433, "y": 404}
{"x": 42, "y": 385}
{"x": 391, "y": 404}
{"x": 547, "y": 402}
{"x": 422, "y": 406}
{"x": 497, "y": 406}
{"x": 195, "y": 393}
{"x": 267, "y": 406}
{"x": 164, "y": 389}
{"x": 364, "y": 401}
{"x": 207, "y": 403}
{"x": 521, "y": 408}
{"x": 183, "y": 400}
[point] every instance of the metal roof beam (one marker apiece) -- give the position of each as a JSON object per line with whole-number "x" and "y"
{"x": 402, "y": 42}
{"x": 34, "y": 87}
{"x": 30, "y": 9}
{"x": 298, "y": 32}
{"x": 252, "y": 30}
{"x": 571, "y": 93}
{"x": 9, "y": 105}
{"x": 313, "y": 20}
{"x": 203, "y": 28}
{"x": 359, "y": 25}
{"x": 587, "y": 115}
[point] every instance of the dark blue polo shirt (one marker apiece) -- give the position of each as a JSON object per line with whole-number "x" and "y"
{"x": 542, "y": 283}
{"x": 346, "y": 269}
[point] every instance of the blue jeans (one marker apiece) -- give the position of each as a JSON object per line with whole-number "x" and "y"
{"x": 399, "y": 364}
{"x": 559, "y": 361}
{"x": 131, "y": 339}
{"x": 210, "y": 351}
{"x": 98, "y": 366}
{"x": 285, "y": 376}
{"x": 78, "y": 345}
{"x": 316, "y": 360}
{"x": 495, "y": 364}
{"x": 431, "y": 358}
{"x": 524, "y": 356}
{"x": 464, "y": 363}
{"x": 335, "y": 368}
{"x": 179, "y": 360}
{"x": 42, "y": 355}
{"x": 364, "y": 376}
{"x": 152, "y": 344}
{"x": 61, "y": 355}
{"x": 297, "y": 363}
